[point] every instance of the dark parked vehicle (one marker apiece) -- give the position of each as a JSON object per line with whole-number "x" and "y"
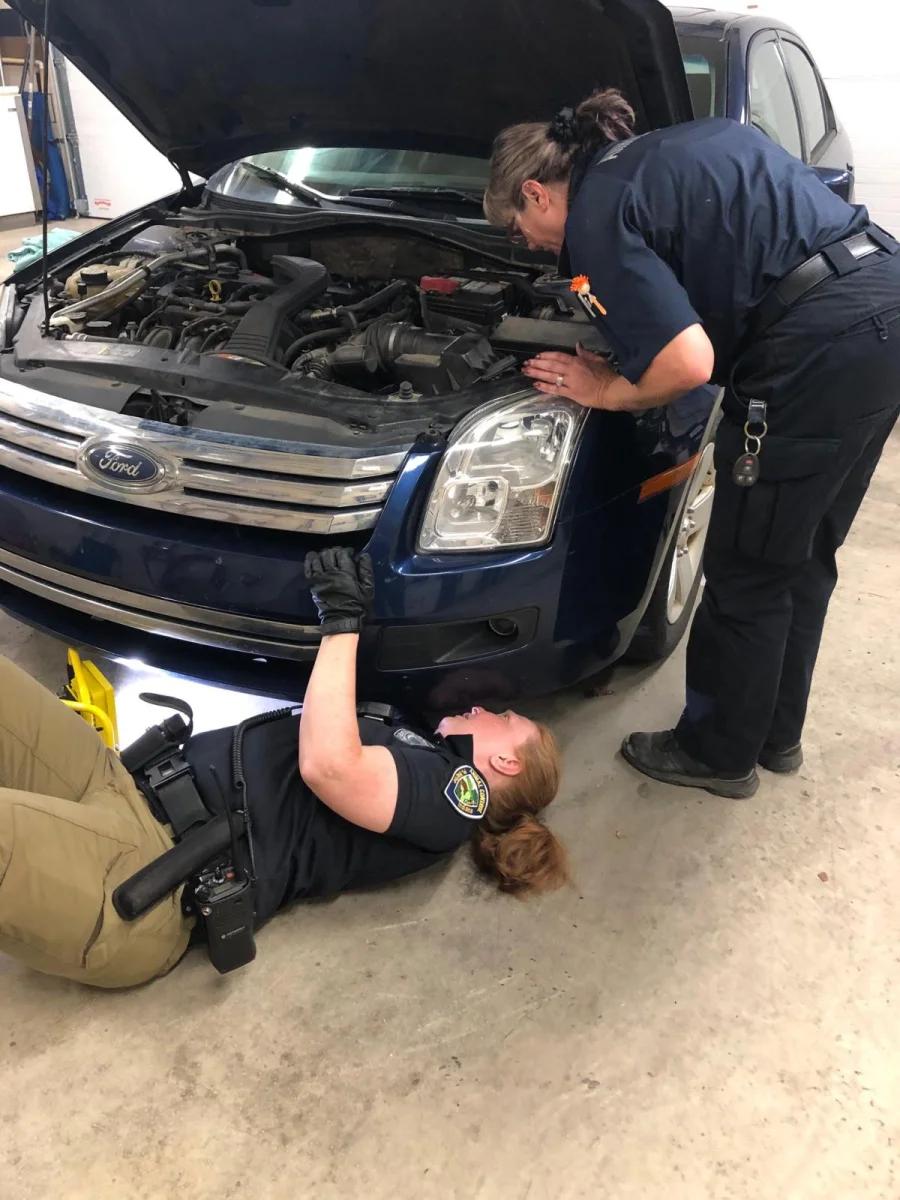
{"x": 322, "y": 344}
{"x": 759, "y": 71}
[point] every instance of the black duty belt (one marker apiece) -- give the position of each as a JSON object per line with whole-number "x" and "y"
{"x": 172, "y": 786}
{"x": 840, "y": 258}
{"x": 161, "y": 771}
{"x": 212, "y": 855}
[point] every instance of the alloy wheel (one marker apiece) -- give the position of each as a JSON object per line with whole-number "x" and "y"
{"x": 688, "y": 560}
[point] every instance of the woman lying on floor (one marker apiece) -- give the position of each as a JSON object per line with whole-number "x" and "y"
{"x": 369, "y": 803}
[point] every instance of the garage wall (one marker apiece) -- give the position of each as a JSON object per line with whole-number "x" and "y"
{"x": 121, "y": 169}
{"x": 857, "y": 47}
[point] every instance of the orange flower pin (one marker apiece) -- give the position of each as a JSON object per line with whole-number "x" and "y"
{"x": 581, "y": 286}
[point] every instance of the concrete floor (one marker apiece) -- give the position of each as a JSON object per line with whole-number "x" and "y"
{"x": 711, "y": 1013}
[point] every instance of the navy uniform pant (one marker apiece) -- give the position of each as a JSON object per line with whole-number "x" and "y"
{"x": 829, "y": 372}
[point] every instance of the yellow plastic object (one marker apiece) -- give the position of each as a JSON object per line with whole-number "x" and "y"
{"x": 92, "y": 697}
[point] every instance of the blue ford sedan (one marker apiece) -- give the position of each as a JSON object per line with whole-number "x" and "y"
{"x": 321, "y": 344}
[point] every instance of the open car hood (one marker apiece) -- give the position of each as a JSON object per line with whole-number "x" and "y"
{"x": 209, "y": 81}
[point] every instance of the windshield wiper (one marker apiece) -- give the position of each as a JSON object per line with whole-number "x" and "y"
{"x": 382, "y": 199}
{"x": 440, "y": 193}
{"x": 300, "y": 191}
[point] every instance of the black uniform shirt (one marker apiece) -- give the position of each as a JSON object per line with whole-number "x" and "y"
{"x": 303, "y": 849}
{"x": 693, "y": 224}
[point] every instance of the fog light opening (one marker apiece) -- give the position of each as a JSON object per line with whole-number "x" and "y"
{"x": 503, "y": 627}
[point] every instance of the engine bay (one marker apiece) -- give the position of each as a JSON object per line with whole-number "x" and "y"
{"x": 389, "y": 315}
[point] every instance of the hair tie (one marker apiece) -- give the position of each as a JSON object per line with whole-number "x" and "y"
{"x": 564, "y": 127}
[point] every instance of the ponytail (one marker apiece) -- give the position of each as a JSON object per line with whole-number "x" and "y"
{"x": 512, "y": 844}
{"x": 604, "y": 117}
{"x": 527, "y": 859}
{"x": 546, "y": 151}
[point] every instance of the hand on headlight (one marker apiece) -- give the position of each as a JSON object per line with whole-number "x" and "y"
{"x": 583, "y": 377}
{"x": 342, "y": 588}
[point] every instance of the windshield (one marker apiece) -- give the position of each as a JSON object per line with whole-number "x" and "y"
{"x": 337, "y": 170}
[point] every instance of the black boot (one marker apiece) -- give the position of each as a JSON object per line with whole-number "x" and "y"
{"x": 783, "y": 762}
{"x": 660, "y": 756}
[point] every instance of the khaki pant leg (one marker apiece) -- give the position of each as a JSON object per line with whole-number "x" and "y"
{"x": 44, "y": 746}
{"x": 60, "y": 862}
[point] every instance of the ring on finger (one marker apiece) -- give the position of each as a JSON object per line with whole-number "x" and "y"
{"x": 559, "y": 380}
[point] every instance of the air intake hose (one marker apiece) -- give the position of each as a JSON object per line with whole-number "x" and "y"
{"x": 259, "y": 330}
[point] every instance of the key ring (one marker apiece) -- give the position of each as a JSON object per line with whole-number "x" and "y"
{"x": 752, "y": 437}
{"x": 758, "y": 436}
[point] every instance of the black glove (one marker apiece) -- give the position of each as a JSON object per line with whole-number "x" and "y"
{"x": 342, "y": 588}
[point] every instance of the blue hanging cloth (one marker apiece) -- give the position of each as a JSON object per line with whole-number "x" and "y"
{"x": 59, "y": 204}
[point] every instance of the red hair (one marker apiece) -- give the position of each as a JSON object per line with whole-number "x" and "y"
{"x": 512, "y": 843}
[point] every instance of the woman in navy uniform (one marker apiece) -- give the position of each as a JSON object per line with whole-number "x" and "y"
{"x": 367, "y": 803}
{"x": 706, "y": 252}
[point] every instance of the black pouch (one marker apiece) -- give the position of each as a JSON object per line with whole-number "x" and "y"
{"x": 774, "y": 520}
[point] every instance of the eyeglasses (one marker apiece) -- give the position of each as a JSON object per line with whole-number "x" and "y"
{"x": 515, "y": 236}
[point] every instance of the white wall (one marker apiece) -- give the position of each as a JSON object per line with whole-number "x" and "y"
{"x": 857, "y": 47}
{"x": 121, "y": 169}
{"x": 16, "y": 189}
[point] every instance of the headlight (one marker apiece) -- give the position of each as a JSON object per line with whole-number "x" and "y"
{"x": 502, "y": 475}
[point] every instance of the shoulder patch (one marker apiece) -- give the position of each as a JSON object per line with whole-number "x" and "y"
{"x": 468, "y": 793}
{"x": 408, "y": 738}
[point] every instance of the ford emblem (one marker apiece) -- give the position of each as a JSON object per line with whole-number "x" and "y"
{"x": 123, "y": 465}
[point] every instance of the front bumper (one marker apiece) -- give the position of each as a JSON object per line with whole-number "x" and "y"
{"x": 228, "y": 604}
{"x": 235, "y": 610}
{"x": 155, "y": 616}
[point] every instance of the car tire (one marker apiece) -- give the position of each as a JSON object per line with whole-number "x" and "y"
{"x": 672, "y": 603}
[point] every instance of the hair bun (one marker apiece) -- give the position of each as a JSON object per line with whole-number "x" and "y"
{"x": 563, "y": 129}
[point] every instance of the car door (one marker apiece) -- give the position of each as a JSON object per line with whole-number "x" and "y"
{"x": 826, "y": 147}
{"x": 787, "y": 101}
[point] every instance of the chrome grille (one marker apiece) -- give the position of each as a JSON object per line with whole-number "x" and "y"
{"x": 164, "y": 618}
{"x": 229, "y": 478}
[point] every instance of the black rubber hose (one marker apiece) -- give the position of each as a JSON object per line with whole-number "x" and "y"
{"x": 376, "y": 299}
{"x": 351, "y": 311}
{"x": 258, "y": 333}
{"x": 247, "y": 288}
{"x": 319, "y": 338}
{"x": 169, "y": 313}
{"x": 214, "y": 336}
{"x": 232, "y": 252}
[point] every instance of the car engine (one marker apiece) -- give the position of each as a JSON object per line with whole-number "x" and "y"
{"x": 192, "y": 293}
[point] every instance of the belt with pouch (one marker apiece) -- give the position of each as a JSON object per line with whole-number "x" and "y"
{"x": 161, "y": 771}
{"x": 841, "y": 258}
{"x": 838, "y": 259}
{"x": 213, "y": 853}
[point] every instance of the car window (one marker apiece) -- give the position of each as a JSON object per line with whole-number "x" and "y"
{"x": 337, "y": 169}
{"x": 771, "y": 101}
{"x": 704, "y": 66}
{"x": 809, "y": 93}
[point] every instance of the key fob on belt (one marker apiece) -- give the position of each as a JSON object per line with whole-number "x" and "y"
{"x": 746, "y": 470}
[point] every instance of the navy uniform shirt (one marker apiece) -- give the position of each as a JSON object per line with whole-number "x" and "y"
{"x": 694, "y": 224}
{"x": 303, "y": 849}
